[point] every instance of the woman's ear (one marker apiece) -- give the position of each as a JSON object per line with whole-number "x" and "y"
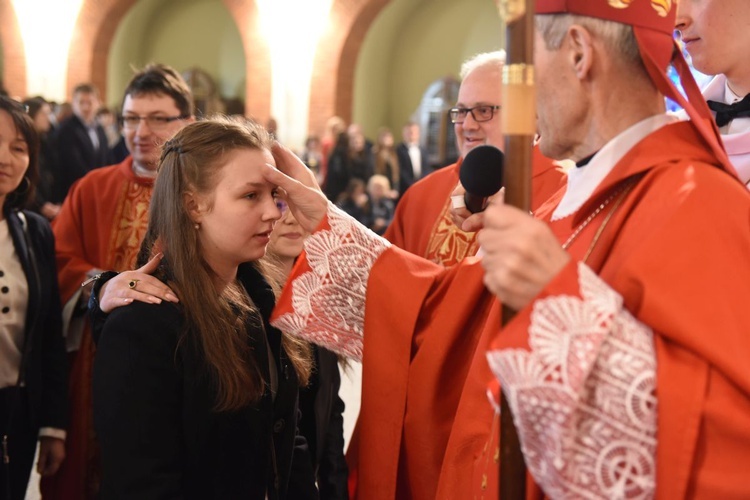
{"x": 194, "y": 206}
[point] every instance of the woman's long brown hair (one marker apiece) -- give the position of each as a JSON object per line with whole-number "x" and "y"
{"x": 191, "y": 162}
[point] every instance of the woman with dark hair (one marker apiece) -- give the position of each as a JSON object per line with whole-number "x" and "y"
{"x": 386, "y": 159}
{"x": 338, "y": 168}
{"x": 32, "y": 351}
{"x": 198, "y": 399}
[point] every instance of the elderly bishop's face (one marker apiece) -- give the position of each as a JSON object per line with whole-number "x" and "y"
{"x": 560, "y": 108}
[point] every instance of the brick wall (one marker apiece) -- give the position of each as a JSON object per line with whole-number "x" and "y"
{"x": 257, "y": 59}
{"x": 332, "y": 84}
{"x": 14, "y": 58}
{"x": 333, "y": 71}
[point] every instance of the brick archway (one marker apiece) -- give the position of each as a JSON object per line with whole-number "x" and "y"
{"x": 333, "y": 71}
{"x": 257, "y": 59}
{"x": 332, "y": 83}
{"x": 14, "y": 56}
{"x": 96, "y": 27}
{"x": 92, "y": 38}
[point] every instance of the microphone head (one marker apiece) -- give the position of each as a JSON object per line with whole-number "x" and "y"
{"x": 482, "y": 171}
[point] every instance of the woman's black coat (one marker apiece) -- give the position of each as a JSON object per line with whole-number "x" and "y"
{"x": 153, "y": 413}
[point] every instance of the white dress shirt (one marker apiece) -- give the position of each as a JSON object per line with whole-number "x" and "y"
{"x": 415, "y": 155}
{"x": 582, "y": 182}
{"x": 735, "y": 134}
{"x": 14, "y": 293}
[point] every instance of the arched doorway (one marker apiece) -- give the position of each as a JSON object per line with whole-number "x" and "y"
{"x": 410, "y": 45}
{"x": 200, "y": 35}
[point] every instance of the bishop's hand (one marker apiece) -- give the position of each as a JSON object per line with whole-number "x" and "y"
{"x": 520, "y": 254}
{"x": 299, "y": 188}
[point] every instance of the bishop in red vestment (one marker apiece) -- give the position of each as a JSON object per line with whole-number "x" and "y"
{"x": 625, "y": 365}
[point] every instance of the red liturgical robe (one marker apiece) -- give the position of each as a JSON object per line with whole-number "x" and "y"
{"x": 100, "y": 226}
{"x": 660, "y": 386}
{"x": 422, "y": 223}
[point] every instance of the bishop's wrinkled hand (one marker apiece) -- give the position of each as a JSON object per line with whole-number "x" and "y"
{"x": 298, "y": 187}
{"x": 520, "y": 254}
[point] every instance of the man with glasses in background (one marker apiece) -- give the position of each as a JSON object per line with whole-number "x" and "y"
{"x": 423, "y": 222}
{"x": 100, "y": 226}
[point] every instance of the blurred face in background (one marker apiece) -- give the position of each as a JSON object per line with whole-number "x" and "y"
{"x": 386, "y": 139}
{"x": 481, "y": 87}
{"x": 85, "y": 106}
{"x": 411, "y": 134}
{"x": 144, "y": 137}
{"x": 377, "y": 191}
{"x": 105, "y": 119}
{"x": 312, "y": 144}
{"x": 41, "y": 119}
{"x": 356, "y": 138}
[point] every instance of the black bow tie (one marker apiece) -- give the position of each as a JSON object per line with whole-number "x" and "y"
{"x": 725, "y": 113}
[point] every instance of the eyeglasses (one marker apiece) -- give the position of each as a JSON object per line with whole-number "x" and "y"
{"x": 282, "y": 206}
{"x": 155, "y": 123}
{"x": 481, "y": 113}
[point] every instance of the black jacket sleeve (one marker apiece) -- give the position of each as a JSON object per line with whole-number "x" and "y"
{"x": 333, "y": 472}
{"x": 97, "y": 317}
{"x": 137, "y": 388}
{"x": 53, "y": 362}
{"x": 301, "y": 483}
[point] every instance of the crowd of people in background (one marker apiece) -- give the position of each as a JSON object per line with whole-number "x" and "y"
{"x": 367, "y": 179}
{"x": 98, "y": 252}
{"x": 82, "y": 135}
{"x": 96, "y": 168}
{"x": 75, "y": 137}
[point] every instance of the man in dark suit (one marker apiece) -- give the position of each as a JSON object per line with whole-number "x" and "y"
{"x": 412, "y": 158}
{"x": 80, "y": 142}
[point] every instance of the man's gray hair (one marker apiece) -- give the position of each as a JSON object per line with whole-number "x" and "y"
{"x": 496, "y": 58}
{"x": 617, "y": 37}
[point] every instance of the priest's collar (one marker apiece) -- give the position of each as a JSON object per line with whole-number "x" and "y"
{"x": 582, "y": 182}
{"x": 144, "y": 173}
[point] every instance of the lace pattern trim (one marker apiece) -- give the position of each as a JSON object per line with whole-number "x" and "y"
{"x": 329, "y": 301}
{"x": 583, "y": 398}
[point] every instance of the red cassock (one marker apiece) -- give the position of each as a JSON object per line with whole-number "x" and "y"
{"x": 101, "y": 225}
{"x": 422, "y": 223}
{"x": 648, "y": 394}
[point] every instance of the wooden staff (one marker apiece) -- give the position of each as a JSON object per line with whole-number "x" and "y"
{"x": 519, "y": 125}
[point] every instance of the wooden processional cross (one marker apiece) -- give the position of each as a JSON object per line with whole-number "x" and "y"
{"x": 519, "y": 123}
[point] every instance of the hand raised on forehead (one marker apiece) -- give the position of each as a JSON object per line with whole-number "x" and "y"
{"x": 298, "y": 188}
{"x": 291, "y": 165}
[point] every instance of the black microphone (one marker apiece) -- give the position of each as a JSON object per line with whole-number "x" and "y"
{"x": 481, "y": 176}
